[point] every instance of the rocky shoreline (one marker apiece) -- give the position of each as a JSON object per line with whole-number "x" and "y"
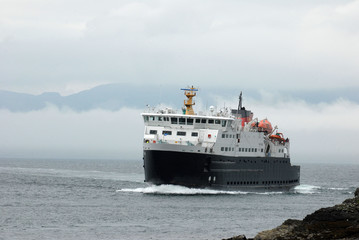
{"x": 338, "y": 222}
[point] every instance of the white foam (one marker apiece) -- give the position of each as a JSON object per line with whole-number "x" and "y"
{"x": 306, "y": 189}
{"x": 180, "y": 190}
{"x": 339, "y": 189}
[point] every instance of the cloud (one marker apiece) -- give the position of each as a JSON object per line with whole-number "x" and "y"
{"x": 255, "y": 44}
{"x": 54, "y": 133}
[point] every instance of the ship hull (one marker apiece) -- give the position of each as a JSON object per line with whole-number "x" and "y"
{"x": 202, "y": 170}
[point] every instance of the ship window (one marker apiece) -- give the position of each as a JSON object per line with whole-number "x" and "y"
{"x": 153, "y": 131}
{"x": 239, "y": 149}
{"x": 217, "y": 121}
{"x": 181, "y": 133}
{"x": 152, "y": 118}
{"x": 203, "y": 120}
{"x": 249, "y": 150}
{"x": 226, "y": 149}
{"x": 198, "y": 120}
{"x": 159, "y": 118}
{"x": 194, "y": 134}
{"x": 167, "y": 133}
{"x": 224, "y": 122}
{"x": 226, "y": 135}
{"x": 232, "y": 149}
{"x": 182, "y": 121}
{"x": 223, "y": 135}
{"x": 255, "y": 149}
{"x": 174, "y": 120}
{"x": 145, "y": 118}
{"x": 245, "y": 149}
{"x": 211, "y": 121}
{"x": 222, "y": 149}
{"x": 252, "y": 149}
{"x": 189, "y": 121}
{"x": 261, "y": 149}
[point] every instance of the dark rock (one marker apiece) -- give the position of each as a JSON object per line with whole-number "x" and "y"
{"x": 240, "y": 237}
{"x": 338, "y": 222}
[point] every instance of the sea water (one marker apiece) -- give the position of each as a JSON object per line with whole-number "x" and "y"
{"x": 107, "y": 199}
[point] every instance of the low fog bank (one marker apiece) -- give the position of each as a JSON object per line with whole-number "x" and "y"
{"x": 319, "y": 133}
{"x": 54, "y": 133}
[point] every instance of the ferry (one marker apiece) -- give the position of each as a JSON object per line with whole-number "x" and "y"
{"x": 221, "y": 149}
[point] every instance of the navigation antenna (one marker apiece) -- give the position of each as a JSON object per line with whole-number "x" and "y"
{"x": 189, "y": 93}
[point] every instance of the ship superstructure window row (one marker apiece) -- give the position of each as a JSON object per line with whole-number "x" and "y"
{"x": 227, "y": 149}
{"x": 184, "y": 120}
{"x": 228, "y": 135}
{"x": 179, "y": 133}
{"x": 248, "y": 150}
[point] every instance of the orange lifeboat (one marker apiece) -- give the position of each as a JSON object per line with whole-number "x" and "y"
{"x": 277, "y": 136}
{"x": 265, "y": 126}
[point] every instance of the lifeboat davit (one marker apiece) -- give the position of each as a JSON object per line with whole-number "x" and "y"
{"x": 265, "y": 126}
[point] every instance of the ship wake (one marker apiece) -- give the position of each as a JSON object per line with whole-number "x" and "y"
{"x": 181, "y": 190}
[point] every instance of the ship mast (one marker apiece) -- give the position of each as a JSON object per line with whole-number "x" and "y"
{"x": 240, "y": 102}
{"x": 189, "y": 93}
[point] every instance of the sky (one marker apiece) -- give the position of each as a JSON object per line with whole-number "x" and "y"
{"x": 69, "y": 46}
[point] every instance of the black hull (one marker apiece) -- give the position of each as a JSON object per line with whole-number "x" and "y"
{"x": 221, "y": 172}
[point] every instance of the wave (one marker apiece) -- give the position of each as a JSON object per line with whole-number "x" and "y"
{"x": 306, "y": 189}
{"x": 311, "y": 189}
{"x": 337, "y": 188}
{"x": 181, "y": 190}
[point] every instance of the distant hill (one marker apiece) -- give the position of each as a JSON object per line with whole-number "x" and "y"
{"x": 110, "y": 97}
{"x": 116, "y": 96}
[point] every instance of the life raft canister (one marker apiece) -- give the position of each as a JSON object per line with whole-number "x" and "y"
{"x": 209, "y": 135}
